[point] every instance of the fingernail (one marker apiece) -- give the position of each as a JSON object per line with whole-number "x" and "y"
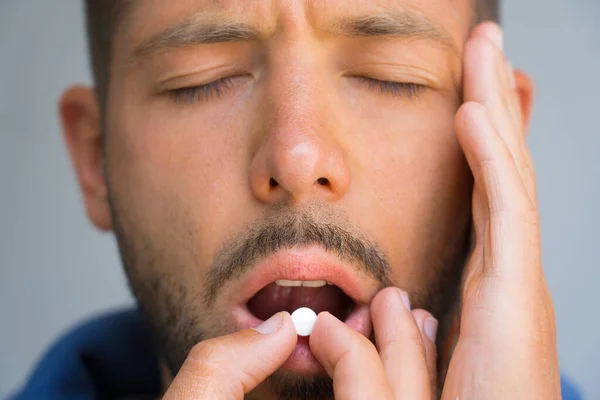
{"x": 405, "y": 299}
{"x": 430, "y": 326}
{"x": 511, "y": 75}
{"x": 270, "y": 325}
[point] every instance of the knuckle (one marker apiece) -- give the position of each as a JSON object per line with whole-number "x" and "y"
{"x": 505, "y": 155}
{"x": 201, "y": 351}
{"x": 505, "y": 107}
{"x": 467, "y": 116}
{"x": 397, "y": 346}
{"x": 468, "y": 108}
{"x": 392, "y": 349}
{"x": 508, "y": 216}
{"x": 486, "y": 172}
{"x": 209, "y": 352}
{"x": 362, "y": 347}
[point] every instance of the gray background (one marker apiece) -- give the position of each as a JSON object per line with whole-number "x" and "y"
{"x": 55, "y": 269}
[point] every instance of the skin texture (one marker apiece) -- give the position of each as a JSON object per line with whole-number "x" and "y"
{"x": 181, "y": 182}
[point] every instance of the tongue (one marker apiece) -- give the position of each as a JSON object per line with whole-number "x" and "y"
{"x": 273, "y": 298}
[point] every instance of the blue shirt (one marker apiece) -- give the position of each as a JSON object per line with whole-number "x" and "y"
{"x": 112, "y": 357}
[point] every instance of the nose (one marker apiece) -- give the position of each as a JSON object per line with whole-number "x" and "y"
{"x": 297, "y": 168}
{"x": 300, "y": 157}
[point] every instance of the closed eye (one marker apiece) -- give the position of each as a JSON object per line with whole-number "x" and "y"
{"x": 202, "y": 93}
{"x": 394, "y": 89}
{"x": 216, "y": 89}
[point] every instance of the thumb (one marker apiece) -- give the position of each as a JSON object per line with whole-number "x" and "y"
{"x": 230, "y": 366}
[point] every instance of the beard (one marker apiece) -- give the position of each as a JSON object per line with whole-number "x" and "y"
{"x": 178, "y": 322}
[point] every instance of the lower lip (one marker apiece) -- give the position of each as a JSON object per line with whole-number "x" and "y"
{"x": 302, "y": 361}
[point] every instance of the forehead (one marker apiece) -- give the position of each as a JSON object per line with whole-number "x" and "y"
{"x": 145, "y": 18}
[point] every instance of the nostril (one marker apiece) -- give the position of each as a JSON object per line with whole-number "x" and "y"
{"x": 273, "y": 183}
{"x": 323, "y": 181}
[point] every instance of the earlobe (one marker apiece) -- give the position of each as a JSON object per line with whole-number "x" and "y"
{"x": 81, "y": 123}
{"x": 525, "y": 91}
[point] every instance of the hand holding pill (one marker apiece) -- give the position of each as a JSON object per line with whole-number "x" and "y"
{"x": 227, "y": 366}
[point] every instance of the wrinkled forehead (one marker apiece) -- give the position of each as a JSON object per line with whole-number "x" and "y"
{"x": 448, "y": 20}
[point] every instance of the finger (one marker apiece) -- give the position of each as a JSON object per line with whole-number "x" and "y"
{"x": 489, "y": 80}
{"x": 400, "y": 345}
{"x": 513, "y": 219}
{"x": 350, "y": 359}
{"x": 492, "y": 33}
{"x": 230, "y": 366}
{"x": 489, "y": 158}
{"x": 428, "y": 326}
{"x": 489, "y": 77}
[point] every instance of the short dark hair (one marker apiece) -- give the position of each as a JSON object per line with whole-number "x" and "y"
{"x": 104, "y": 16}
{"x": 487, "y": 10}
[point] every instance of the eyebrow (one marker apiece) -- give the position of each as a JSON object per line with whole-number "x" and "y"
{"x": 197, "y": 32}
{"x": 405, "y": 24}
{"x": 210, "y": 29}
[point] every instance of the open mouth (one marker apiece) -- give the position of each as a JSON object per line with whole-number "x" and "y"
{"x": 304, "y": 277}
{"x": 318, "y": 295}
{"x": 288, "y": 295}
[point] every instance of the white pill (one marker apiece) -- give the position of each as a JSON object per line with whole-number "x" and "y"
{"x": 304, "y": 319}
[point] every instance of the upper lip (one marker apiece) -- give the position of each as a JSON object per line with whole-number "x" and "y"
{"x": 308, "y": 264}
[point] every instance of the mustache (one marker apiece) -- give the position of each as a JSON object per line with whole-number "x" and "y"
{"x": 285, "y": 232}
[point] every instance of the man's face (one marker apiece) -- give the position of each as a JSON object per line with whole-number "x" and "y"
{"x": 325, "y": 152}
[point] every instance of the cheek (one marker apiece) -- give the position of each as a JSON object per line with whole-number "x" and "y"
{"x": 181, "y": 177}
{"x": 424, "y": 162}
{"x": 417, "y": 186}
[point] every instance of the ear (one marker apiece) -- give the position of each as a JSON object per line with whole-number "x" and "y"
{"x": 80, "y": 116}
{"x": 524, "y": 88}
